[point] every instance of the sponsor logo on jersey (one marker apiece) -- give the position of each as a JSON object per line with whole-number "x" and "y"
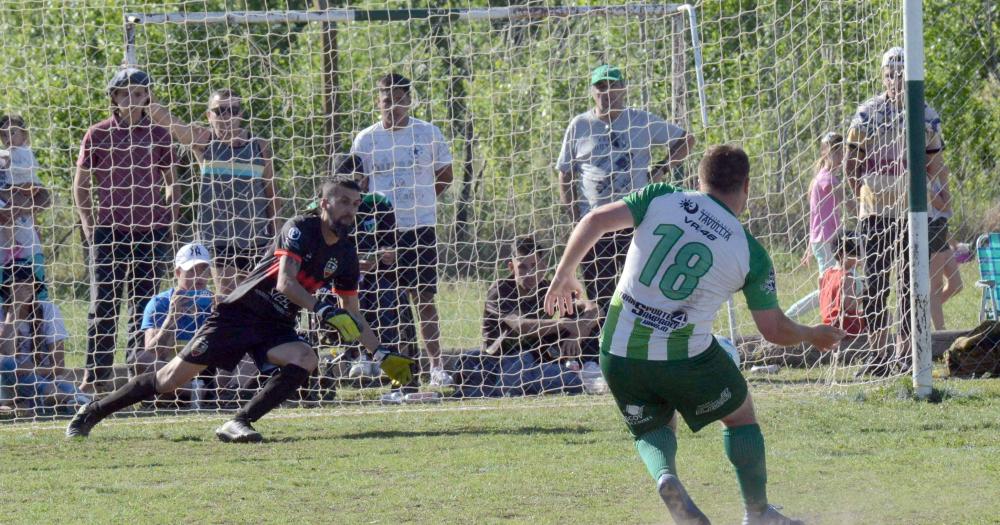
{"x": 198, "y": 346}
{"x": 634, "y": 415}
{"x": 655, "y": 318}
{"x": 696, "y": 226}
{"x": 331, "y": 266}
{"x": 712, "y": 406}
{"x": 715, "y": 225}
{"x": 689, "y": 206}
{"x": 770, "y": 285}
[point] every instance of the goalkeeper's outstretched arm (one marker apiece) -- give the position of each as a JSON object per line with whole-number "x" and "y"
{"x": 351, "y": 304}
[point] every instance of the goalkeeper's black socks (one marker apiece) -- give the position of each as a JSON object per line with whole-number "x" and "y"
{"x": 280, "y": 387}
{"x": 140, "y": 388}
{"x": 745, "y": 449}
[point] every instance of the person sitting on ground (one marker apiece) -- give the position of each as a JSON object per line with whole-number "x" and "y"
{"x": 525, "y": 351}
{"x": 172, "y": 317}
{"x": 839, "y": 298}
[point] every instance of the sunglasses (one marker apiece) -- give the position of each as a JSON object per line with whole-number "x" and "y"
{"x": 225, "y": 111}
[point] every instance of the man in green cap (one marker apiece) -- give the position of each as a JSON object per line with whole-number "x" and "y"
{"x": 607, "y": 153}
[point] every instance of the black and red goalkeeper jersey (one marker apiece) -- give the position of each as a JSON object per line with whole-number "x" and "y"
{"x": 322, "y": 266}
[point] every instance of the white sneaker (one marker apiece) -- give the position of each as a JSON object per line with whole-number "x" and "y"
{"x": 440, "y": 378}
{"x": 364, "y": 368}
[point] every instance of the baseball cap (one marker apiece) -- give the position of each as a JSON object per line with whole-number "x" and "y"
{"x": 893, "y": 57}
{"x": 128, "y": 76}
{"x": 191, "y": 255}
{"x": 606, "y": 72}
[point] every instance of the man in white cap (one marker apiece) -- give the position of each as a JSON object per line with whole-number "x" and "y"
{"x": 875, "y": 168}
{"x": 172, "y": 317}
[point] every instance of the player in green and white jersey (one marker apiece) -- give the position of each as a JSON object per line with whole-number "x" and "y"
{"x": 689, "y": 254}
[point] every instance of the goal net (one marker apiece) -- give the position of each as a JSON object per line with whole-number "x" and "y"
{"x": 502, "y": 85}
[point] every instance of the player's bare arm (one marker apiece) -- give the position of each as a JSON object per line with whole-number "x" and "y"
{"x": 351, "y": 304}
{"x": 777, "y": 328}
{"x": 565, "y": 288}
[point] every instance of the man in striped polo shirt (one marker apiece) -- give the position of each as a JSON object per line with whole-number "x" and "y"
{"x": 689, "y": 254}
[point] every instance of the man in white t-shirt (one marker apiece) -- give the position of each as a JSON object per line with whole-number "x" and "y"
{"x": 408, "y": 161}
{"x": 607, "y": 153}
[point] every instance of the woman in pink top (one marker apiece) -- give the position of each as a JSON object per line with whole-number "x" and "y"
{"x": 825, "y": 196}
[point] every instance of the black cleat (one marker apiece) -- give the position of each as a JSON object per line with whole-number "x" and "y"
{"x": 82, "y": 422}
{"x": 769, "y": 516}
{"x": 237, "y": 431}
{"x": 680, "y": 505}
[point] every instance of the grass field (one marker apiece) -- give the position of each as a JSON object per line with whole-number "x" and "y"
{"x": 834, "y": 457}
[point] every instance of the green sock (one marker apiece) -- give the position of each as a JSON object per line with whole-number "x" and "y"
{"x": 745, "y": 449}
{"x": 657, "y": 449}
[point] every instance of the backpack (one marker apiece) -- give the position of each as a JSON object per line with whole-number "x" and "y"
{"x": 977, "y": 353}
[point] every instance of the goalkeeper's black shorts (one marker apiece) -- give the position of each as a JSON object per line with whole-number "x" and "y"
{"x": 231, "y": 332}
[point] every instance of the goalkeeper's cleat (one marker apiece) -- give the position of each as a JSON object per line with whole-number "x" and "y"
{"x": 440, "y": 378}
{"x": 81, "y": 424}
{"x": 769, "y": 516}
{"x": 680, "y": 505}
{"x": 237, "y": 431}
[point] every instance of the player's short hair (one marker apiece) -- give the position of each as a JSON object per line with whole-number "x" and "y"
{"x": 724, "y": 168}
{"x": 332, "y": 183}
{"x": 844, "y": 246}
{"x": 394, "y": 81}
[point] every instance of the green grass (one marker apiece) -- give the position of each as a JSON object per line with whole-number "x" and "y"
{"x": 862, "y": 456}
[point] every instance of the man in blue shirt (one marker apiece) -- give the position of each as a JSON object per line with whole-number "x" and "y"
{"x": 172, "y": 317}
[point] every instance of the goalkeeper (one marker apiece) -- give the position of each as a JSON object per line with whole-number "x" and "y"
{"x": 259, "y": 319}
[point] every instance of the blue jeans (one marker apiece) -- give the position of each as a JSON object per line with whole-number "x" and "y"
{"x": 28, "y": 385}
{"x": 513, "y": 375}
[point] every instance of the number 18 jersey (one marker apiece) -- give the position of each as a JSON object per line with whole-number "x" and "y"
{"x": 689, "y": 254}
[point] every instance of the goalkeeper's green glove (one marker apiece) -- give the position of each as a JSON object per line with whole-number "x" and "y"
{"x": 396, "y": 366}
{"x": 333, "y": 316}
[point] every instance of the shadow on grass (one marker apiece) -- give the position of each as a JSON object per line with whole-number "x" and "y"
{"x": 393, "y": 434}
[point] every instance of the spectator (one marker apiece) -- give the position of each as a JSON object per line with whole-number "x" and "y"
{"x": 524, "y": 350}
{"x": 386, "y": 310}
{"x": 825, "y": 194}
{"x": 875, "y": 167}
{"x": 946, "y": 279}
{"x": 408, "y": 161}
{"x": 127, "y": 201}
{"x": 839, "y": 300}
{"x": 606, "y": 154}
{"x": 237, "y": 207}
{"x": 21, "y": 187}
{"x": 32, "y": 367}
{"x": 171, "y": 317}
